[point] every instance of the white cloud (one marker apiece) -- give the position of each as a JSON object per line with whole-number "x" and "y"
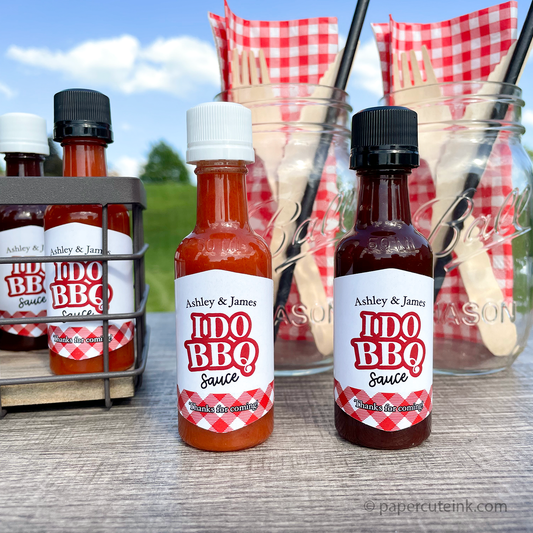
{"x": 342, "y": 41}
{"x": 127, "y": 166}
{"x": 366, "y": 69}
{"x": 6, "y": 91}
{"x": 177, "y": 65}
{"x": 527, "y": 117}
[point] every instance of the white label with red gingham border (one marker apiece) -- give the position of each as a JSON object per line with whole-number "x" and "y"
{"x": 22, "y": 292}
{"x": 225, "y": 349}
{"x": 74, "y": 288}
{"x": 383, "y": 360}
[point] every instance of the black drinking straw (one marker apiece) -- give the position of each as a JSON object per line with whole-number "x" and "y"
{"x": 483, "y": 153}
{"x": 311, "y": 189}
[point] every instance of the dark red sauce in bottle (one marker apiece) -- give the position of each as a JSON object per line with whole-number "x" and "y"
{"x": 383, "y": 239}
{"x": 24, "y": 141}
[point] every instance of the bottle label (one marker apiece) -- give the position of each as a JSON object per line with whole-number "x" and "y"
{"x": 75, "y": 289}
{"x": 383, "y": 362}
{"x": 22, "y": 291}
{"x": 225, "y": 348}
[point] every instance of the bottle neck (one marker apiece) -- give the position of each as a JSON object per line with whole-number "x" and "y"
{"x": 19, "y": 164}
{"x": 383, "y": 197}
{"x": 84, "y": 156}
{"x": 221, "y": 194}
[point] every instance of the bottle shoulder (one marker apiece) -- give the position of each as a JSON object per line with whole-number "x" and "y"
{"x": 58, "y": 215}
{"x": 16, "y": 216}
{"x": 384, "y": 235}
{"x": 237, "y": 251}
{"x": 378, "y": 247}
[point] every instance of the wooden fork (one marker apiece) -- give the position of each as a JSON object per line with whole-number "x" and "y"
{"x": 430, "y": 143}
{"x": 244, "y": 68}
{"x": 426, "y": 89}
{"x": 255, "y": 92}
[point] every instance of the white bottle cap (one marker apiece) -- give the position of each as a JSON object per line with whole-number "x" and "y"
{"x": 219, "y": 130}
{"x": 23, "y": 133}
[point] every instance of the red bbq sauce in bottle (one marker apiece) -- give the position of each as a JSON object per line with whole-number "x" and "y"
{"x": 82, "y": 124}
{"x": 224, "y": 294}
{"x": 24, "y": 142}
{"x": 383, "y": 294}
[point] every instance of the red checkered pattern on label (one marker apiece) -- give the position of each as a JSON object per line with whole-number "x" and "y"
{"x": 387, "y": 421}
{"x": 463, "y": 48}
{"x": 87, "y": 349}
{"x": 495, "y": 186}
{"x": 26, "y": 330}
{"x": 296, "y": 51}
{"x": 259, "y": 402}
{"x": 262, "y": 209}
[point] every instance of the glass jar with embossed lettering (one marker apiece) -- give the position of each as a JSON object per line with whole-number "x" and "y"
{"x": 471, "y": 197}
{"x": 298, "y": 151}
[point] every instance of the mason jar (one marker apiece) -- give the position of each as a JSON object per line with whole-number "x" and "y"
{"x": 298, "y": 145}
{"x": 471, "y": 198}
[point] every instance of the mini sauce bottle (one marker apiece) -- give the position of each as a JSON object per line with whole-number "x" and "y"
{"x": 83, "y": 127}
{"x": 383, "y": 294}
{"x": 224, "y": 294}
{"x": 22, "y": 293}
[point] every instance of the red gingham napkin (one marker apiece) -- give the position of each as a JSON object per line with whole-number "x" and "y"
{"x": 461, "y": 49}
{"x": 218, "y": 27}
{"x": 296, "y": 51}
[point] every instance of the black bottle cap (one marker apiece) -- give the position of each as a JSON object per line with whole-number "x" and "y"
{"x": 384, "y": 137}
{"x": 82, "y": 113}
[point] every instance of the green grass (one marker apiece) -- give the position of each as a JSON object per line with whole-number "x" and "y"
{"x": 170, "y": 216}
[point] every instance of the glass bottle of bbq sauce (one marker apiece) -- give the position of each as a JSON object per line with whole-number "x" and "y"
{"x": 224, "y": 294}
{"x": 383, "y": 294}
{"x": 24, "y": 142}
{"x": 82, "y": 124}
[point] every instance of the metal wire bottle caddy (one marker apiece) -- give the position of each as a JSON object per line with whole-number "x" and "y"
{"x": 103, "y": 191}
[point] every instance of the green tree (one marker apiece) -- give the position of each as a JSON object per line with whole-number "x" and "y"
{"x": 53, "y": 164}
{"x": 164, "y": 164}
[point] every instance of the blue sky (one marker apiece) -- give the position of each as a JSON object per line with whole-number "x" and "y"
{"x": 156, "y": 59}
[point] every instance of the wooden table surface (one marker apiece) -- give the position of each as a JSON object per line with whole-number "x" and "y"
{"x": 81, "y": 468}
